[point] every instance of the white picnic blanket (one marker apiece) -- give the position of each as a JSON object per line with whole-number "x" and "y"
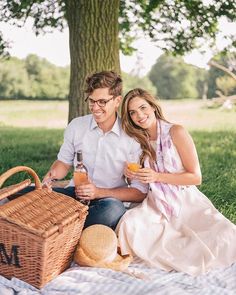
{"x": 98, "y": 281}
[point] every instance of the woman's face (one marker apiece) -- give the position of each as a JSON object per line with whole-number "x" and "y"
{"x": 141, "y": 112}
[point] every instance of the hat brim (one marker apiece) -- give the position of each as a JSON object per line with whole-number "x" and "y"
{"x": 120, "y": 263}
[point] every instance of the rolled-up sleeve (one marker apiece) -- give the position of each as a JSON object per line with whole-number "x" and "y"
{"x": 66, "y": 153}
{"x": 140, "y": 186}
{"x": 135, "y": 154}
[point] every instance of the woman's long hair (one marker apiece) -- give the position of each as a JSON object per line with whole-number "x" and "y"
{"x": 135, "y": 131}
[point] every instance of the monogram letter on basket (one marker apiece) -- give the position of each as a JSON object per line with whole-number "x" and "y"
{"x": 11, "y": 259}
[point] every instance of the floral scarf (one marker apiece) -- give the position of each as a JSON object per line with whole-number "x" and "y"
{"x": 166, "y": 197}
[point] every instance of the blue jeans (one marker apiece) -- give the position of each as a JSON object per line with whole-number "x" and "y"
{"x": 107, "y": 211}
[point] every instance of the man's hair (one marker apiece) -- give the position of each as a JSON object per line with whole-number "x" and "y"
{"x": 104, "y": 79}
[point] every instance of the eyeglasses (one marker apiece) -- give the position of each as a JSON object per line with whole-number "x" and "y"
{"x": 100, "y": 102}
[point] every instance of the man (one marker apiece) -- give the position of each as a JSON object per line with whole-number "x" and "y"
{"x": 106, "y": 149}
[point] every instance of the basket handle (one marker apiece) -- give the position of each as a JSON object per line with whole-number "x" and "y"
{"x": 14, "y": 170}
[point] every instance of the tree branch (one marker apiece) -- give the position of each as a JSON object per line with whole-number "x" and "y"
{"x": 223, "y": 68}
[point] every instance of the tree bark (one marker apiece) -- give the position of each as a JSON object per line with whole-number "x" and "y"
{"x": 94, "y": 45}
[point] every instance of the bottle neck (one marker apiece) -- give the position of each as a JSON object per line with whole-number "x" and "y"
{"x": 79, "y": 158}
{"x": 79, "y": 164}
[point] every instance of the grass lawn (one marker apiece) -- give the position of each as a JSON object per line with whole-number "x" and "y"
{"x": 31, "y": 133}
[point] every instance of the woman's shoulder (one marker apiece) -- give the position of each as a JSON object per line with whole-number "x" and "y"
{"x": 179, "y": 134}
{"x": 176, "y": 128}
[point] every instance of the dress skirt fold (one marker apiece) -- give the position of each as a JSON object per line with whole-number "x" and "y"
{"x": 198, "y": 240}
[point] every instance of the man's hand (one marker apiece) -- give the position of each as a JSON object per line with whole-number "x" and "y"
{"x": 48, "y": 179}
{"x": 86, "y": 191}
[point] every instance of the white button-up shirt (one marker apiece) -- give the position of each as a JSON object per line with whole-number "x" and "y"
{"x": 104, "y": 154}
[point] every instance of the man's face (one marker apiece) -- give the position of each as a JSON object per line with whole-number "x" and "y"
{"x": 103, "y": 106}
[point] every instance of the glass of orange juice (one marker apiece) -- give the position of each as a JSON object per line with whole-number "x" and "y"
{"x": 134, "y": 167}
{"x": 133, "y": 164}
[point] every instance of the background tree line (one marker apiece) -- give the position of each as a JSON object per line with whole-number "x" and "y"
{"x": 37, "y": 78}
{"x": 33, "y": 78}
{"x": 169, "y": 78}
{"x": 173, "y": 78}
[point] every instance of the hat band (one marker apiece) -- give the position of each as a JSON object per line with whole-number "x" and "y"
{"x": 111, "y": 257}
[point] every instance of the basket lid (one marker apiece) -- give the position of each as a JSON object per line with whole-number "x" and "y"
{"x": 42, "y": 212}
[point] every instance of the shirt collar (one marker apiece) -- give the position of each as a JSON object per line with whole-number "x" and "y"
{"x": 116, "y": 127}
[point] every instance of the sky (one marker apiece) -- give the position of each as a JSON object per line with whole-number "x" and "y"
{"x": 55, "y": 48}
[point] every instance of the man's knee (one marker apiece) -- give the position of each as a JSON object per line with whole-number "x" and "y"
{"x": 69, "y": 191}
{"x": 106, "y": 211}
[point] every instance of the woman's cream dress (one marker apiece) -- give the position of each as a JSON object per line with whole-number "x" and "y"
{"x": 198, "y": 240}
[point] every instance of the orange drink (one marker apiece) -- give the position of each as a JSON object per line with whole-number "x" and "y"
{"x": 80, "y": 178}
{"x": 134, "y": 167}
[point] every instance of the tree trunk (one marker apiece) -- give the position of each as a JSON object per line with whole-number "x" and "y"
{"x": 94, "y": 45}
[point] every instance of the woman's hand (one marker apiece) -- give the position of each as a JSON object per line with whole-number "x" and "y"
{"x": 146, "y": 175}
{"x": 128, "y": 173}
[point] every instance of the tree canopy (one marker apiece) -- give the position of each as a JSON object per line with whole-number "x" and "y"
{"x": 177, "y": 26}
{"x": 174, "y": 25}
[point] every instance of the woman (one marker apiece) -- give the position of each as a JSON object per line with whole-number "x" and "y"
{"x": 176, "y": 227}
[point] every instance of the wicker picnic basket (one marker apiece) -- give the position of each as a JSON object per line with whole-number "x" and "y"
{"x": 38, "y": 231}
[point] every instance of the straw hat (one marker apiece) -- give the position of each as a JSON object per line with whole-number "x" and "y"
{"x": 98, "y": 247}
